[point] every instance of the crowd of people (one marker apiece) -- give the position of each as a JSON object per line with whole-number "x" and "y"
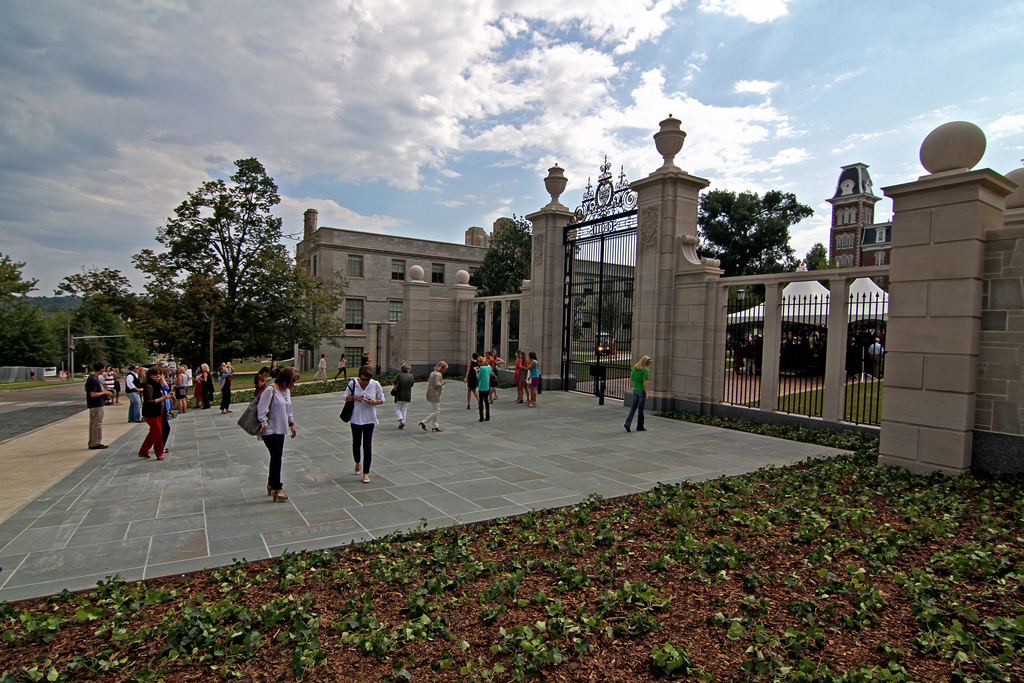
{"x": 157, "y": 393}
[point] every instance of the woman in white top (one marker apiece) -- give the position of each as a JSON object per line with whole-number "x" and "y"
{"x": 274, "y": 411}
{"x": 367, "y": 394}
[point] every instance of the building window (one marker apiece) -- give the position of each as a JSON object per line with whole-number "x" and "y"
{"x": 474, "y": 278}
{"x": 355, "y": 265}
{"x": 880, "y": 258}
{"x": 353, "y": 357}
{"x": 397, "y": 269}
{"x": 394, "y": 311}
{"x": 880, "y": 235}
{"x": 437, "y": 273}
{"x": 353, "y": 314}
{"x": 314, "y": 265}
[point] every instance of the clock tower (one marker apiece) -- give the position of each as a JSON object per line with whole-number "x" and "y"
{"x": 853, "y": 208}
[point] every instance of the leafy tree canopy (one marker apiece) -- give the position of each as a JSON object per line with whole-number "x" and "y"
{"x": 507, "y": 261}
{"x": 224, "y": 257}
{"x": 104, "y": 288}
{"x": 748, "y": 233}
{"x": 817, "y": 257}
{"x": 12, "y": 283}
{"x": 25, "y": 337}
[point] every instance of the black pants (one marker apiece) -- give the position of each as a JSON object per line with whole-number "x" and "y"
{"x": 207, "y": 394}
{"x": 275, "y": 446}
{"x": 225, "y": 396}
{"x": 362, "y": 434}
{"x": 485, "y": 402}
{"x": 165, "y": 425}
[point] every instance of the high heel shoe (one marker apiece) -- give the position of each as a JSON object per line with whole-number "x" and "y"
{"x": 280, "y": 496}
{"x": 270, "y": 490}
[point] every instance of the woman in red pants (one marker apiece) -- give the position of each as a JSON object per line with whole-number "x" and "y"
{"x": 153, "y": 413}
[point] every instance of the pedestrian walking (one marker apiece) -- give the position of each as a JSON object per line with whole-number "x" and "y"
{"x": 226, "y": 373}
{"x": 367, "y": 394}
{"x": 435, "y": 384}
{"x": 519, "y": 376}
{"x": 133, "y": 389}
{"x": 117, "y": 387}
{"x": 153, "y": 413}
{"x": 96, "y": 396}
{"x": 274, "y": 411}
{"x": 321, "y": 368}
{"x": 342, "y": 369}
{"x": 471, "y": 379}
{"x": 260, "y": 381}
{"x": 402, "y": 391}
{"x": 108, "y": 384}
{"x": 639, "y": 376}
{"x": 181, "y": 387}
{"x": 484, "y": 387}
{"x": 207, "y": 387}
{"x": 533, "y": 369}
{"x": 495, "y": 361}
{"x": 165, "y": 422}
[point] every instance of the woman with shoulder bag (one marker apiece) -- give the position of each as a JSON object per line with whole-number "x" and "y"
{"x": 274, "y": 411}
{"x": 153, "y": 413}
{"x": 366, "y": 394}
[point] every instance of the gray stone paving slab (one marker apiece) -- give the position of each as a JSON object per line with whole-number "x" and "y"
{"x": 206, "y": 505}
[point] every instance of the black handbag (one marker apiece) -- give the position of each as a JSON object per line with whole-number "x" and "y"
{"x": 346, "y": 412}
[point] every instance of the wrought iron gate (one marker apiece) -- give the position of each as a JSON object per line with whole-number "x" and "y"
{"x": 597, "y": 315}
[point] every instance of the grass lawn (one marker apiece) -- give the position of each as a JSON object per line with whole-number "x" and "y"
{"x": 829, "y": 571}
{"x": 863, "y": 403}
{"x": 36, "y": 383}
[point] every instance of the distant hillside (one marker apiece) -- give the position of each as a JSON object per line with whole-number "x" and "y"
{"x": 54, "y": 302}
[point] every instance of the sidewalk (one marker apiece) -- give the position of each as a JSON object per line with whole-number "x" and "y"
{"x": 91, "y": 514}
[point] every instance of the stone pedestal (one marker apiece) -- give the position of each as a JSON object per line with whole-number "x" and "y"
{"x": 935, "y": 310}
{"x": 541, "y": 313}
{"x": 673, "y": 299}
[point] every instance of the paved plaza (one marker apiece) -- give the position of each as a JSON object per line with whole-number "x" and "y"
{"x": 206, "y": 504}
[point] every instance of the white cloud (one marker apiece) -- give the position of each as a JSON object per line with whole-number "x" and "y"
{"x": 330, "y": 214}
{"x": 759, "y": 87}
{"x": 757, "y": 11}
{"x": 790, "y": 156}
{"x": 1010, "y": 124}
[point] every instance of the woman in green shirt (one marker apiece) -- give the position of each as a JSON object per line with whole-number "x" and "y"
{"x": 641, "y": 371}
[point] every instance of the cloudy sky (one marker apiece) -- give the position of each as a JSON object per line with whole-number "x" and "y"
{"x": 425, "y": 118}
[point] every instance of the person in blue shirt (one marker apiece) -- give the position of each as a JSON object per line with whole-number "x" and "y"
{"x": 484, "y": 388}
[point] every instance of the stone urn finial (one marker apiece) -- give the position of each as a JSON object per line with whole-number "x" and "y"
{"x": 669, "y": 140}
{"x": 1016, "y": 200}
{"x": 555, "y": 182}
{"x": 953, "y": 146}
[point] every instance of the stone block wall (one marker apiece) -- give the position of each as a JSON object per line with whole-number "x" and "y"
{"x": 999, "y": 411}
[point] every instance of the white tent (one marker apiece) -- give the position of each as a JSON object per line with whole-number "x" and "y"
{"x": 804, "y": 302}
{"x": 807, "y": 302}
{"x": 868, "y": 301}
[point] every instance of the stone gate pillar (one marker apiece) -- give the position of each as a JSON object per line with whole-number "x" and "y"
{"x": 935, "y": 305}
{"x": 541, "y": 313}
{"x": 673, "y": 303}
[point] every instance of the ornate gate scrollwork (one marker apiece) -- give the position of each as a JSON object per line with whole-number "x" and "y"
{"x": 600, "y": 257}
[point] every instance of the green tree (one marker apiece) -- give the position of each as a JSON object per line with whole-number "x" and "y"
{"x": 507, "y": 261}
{"x": 224, "y": 258}
{"x": 817, "y": 257}
{"x": 25, "y": 337}
{"x": 748, "y": 233}
{"x": 108, "y": 307}
{"x": 105, "y": 288}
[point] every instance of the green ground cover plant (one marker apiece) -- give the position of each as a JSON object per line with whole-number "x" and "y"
{"x": 828, "y": 571}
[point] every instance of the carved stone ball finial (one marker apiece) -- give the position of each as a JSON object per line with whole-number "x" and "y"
{"x": 416, "y": 274}
{"x": 555, "y": 182}
{"x": 461, "y": 277}
{"x": 669, "y": 140}
{"x": 1016, "y": 200}
{"x": 952, "y": 146}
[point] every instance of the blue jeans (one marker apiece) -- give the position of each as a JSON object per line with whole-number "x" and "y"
{"x": 638, "y": 407}
{"x": 134, "y": 407}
